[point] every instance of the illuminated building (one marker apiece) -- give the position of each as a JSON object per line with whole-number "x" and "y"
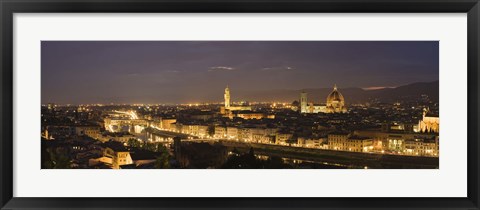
{"x": 303, "y": 102}
{"x": 244, "y": 134}
{"x": 429, "y": 122}
{"x": 91, "y": 131}
{"x": 226, "y": 96}
{"x": 310, "y": 143}
{"x": 396, "y": 143}
{"x": 282, "y": 138}
{"x": 261, "y": 135}
{"x": 251, "y": 134}
{"x": 193, "y": 129}
{"x": 248, "y": 115}
{"x": 422, "y": 147}
{"x": 118, "y": 158}
{"x": 220, "y": 132}
{"x": 167, "y": 124}
{"x": 232, "y": 132}
{"x": 228, "y": 108}
{"x": 393, "y": 141}
{"x": 178, "y": 128}
{"x": 347, "y": 142}
{"x": 51, "y": 107}
{"x": 336, "y": 141}
{"x": 316, "y": 108}
{"x": 244, "y": 112}
{"x": 267, "y": 139}
{"x": 202, "y": 131}
{"x": 335, "y": 102}
{"x": 118, "y": 155}
{"x": 309, "y": 108}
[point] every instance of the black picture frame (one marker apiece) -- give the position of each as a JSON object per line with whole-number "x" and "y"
{"x": 9, "y": 7}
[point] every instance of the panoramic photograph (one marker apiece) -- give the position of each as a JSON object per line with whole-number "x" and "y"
{"x": 240, "y": 105}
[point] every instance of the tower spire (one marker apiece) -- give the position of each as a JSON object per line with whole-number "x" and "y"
{"x": 227, "y": 97}
{"x": 335, "y": 87}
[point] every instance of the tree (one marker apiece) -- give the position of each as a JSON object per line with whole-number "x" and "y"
{"x": 275, "y": 162}
{"x": 211, "y": 130}
{"x": 162, "y": 160}
{"x": 133, "y": 142}
{"x": 58, "y": 159}
{"x": 150, "y": 146}
{"x": 251, "y": 159}
{"x": 251, "y": 152}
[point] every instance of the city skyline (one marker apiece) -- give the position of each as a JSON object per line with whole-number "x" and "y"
{"x": 240, "y": 105}
{"x": 300, "y": 135}
{"x": 169, "y": 72}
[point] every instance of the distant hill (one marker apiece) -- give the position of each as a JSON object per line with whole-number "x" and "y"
{"x": 352, "y": 95}
{"x": 407, "y": 91}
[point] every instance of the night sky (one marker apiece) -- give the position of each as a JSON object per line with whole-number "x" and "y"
{"x": 81, "y": 72}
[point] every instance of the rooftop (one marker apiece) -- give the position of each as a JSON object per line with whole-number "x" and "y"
{"x": 142, "y": 155}
{"x": 358, "y": 138}
{"x": 115, "y": 146}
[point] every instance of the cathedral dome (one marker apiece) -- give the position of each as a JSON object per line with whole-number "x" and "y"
{"x": 335, "y": 96}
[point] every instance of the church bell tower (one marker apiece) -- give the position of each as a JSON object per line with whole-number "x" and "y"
{"x": 227, "y": 97}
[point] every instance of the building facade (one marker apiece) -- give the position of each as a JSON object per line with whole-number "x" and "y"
{"x": 429, "y": 123}
{"x": 303, "y": 102}
{"x": 228, "y": 108}
{"x": 335, "y": 103}
{"x": 347, "y": 142}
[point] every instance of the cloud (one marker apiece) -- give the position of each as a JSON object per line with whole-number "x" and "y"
{"x": 136, "y": 74}
{"x": 377, "y": 87}
{"x": 278, "y": 68}
{"x": 172, "y": 71}
{"x": 220, "y": 68}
